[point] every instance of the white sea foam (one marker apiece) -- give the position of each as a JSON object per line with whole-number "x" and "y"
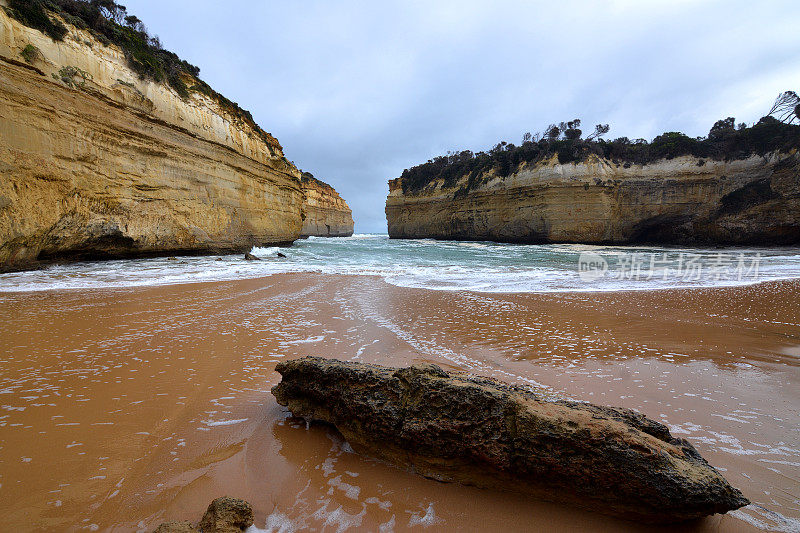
{"x": 214, "y": 423}
{"x": 766, "y": 519}
{"x": 276, "y": 523}
{"x": 427, "y": 264}
{"x": 309, "y": 340}
{"x": 426, "y": 519}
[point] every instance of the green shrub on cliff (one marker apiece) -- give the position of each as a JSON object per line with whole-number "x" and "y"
{"x": 110, "y": 23}
{"x": 73, "y": 77}
{"x": 103, "y": 19}
{"x": 725, "y": 141}
{"x": 30, "y": 53}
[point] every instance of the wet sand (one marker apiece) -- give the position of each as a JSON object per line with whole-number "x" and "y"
{"x": 120, "y": 409}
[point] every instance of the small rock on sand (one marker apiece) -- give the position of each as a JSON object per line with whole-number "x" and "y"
{"x": 224, "y": 515}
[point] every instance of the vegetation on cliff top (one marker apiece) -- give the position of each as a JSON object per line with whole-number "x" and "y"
{"x": 725, "y": 141}
{"x": 308, "y": 177}
{"x": 110, "y": 23}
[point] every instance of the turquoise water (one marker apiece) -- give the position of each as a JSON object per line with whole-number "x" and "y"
{"x": 443, "y": 265}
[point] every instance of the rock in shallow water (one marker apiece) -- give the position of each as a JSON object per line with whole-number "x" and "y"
{"x": 486, "y": 433}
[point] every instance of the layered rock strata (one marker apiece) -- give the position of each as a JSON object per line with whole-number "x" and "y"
{"x": 325, "y": 213}
{"x": 96, "y": 162}
{"x": 482, "y": 432}
{"x": 683, "y": 200}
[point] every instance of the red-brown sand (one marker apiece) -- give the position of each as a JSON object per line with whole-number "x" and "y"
{"x": 120, "y": 409}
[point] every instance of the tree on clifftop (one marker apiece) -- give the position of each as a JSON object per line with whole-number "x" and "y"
{"x": 571, "y": 129}
{"x": 599, "y": 131}
{"x": 722, "y": 128}
{"x": 786, "y": 107}
{"x": 552, "y": 132}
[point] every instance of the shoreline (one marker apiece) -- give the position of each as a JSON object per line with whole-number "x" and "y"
{"x": 788, "y": 279}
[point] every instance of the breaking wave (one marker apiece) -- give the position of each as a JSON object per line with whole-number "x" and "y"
{"x": 442, "y": 265}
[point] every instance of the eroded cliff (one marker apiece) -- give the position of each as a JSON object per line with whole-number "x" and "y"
{"x": 754, "y": 200}
{"x": 325, "y": 213}
{"x": 97, "y": 162}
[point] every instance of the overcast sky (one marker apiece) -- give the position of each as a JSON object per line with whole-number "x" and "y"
{"x": 358, "y": 91}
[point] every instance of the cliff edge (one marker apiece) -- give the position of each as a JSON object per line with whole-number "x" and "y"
{"x": 97, "y": 161}
{"x": 325, "y": 213}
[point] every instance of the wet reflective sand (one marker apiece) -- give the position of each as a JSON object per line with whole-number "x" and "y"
{"x": 123, "y": 408}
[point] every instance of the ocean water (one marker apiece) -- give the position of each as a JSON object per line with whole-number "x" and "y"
{"x": 442, "y": 265}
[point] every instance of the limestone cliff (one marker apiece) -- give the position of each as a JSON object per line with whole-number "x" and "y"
{"x": 755, "y": 200}
{"x": 96, "y": 162}
{"x": 325, "y": 213}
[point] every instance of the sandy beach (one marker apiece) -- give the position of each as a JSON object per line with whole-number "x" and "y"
{"x": 124, "y": 408}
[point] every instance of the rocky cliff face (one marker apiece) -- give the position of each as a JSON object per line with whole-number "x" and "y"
{"x": 325, "y": 213}
{"x": 95, "y": 162}
{"x": 681, "y": 200}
